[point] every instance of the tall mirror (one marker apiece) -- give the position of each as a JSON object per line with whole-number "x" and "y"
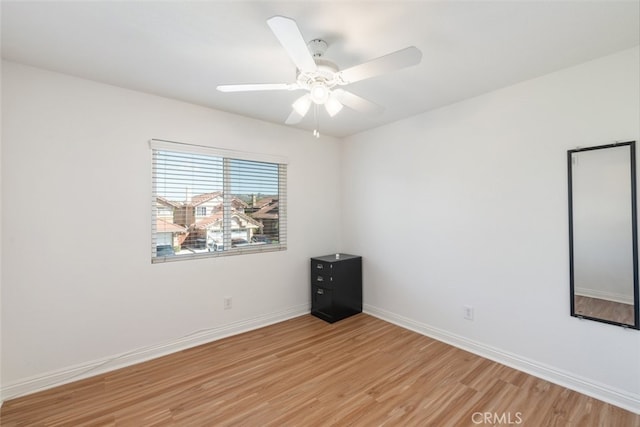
{"x": 603, "y": 234}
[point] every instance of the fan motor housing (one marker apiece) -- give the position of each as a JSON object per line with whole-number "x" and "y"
{"x": 326, "y": 70}
{"x": 325, "y": 73}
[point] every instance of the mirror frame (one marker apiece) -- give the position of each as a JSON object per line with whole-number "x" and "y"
{"x": 636, "y": 309}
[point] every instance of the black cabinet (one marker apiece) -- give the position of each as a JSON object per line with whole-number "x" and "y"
{"x": 336, "y": 286}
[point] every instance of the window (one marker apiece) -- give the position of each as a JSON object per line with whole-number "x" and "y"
{"x": 209, "y": 202}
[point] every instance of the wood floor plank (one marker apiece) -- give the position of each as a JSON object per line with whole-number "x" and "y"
{"x": 360, "y": 371}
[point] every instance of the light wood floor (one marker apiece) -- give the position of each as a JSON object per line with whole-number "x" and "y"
{"x": 361, "y": 371}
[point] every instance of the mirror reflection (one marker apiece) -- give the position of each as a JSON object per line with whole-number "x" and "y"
{"x": 603, "y": 236}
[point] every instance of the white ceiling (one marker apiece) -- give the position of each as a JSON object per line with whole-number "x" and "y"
{"x": 183, "y": 50}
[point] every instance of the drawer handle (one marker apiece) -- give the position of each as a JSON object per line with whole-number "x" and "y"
{"x": 319, "y": 266}
{"x": 320, "y": 291}
{"x": 320, "y": 279}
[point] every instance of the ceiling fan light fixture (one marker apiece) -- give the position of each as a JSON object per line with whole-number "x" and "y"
{"x": 319, "y": 92}
{"x": 333, "y": 106}
{"x": 302, "y": 104}
{"x": 319, "y": 77}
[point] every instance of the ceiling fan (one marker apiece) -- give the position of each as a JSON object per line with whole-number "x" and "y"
{"x": 321, "y": 79}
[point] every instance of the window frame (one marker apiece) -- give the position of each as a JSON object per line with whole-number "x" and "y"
{"x": 227, "y": 156}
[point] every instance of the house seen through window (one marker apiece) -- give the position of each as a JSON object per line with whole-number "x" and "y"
{"x": 208, "y": 202}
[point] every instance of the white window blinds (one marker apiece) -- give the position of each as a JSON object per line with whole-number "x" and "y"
{"x": 208, "y": 202}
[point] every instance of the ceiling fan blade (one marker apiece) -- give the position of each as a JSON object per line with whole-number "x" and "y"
{"x": 294, "y": 118}
{"x": 393, "y": 61}
{"x": 256, "y": 87}
{"x": 288, "y": 34}
{"x": 357, "y": 103}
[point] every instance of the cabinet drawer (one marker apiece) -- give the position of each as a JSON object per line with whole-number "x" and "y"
{"x": 321, "y": 267}
{"x": 321, "y": 279}
{"x": 322, "y": 303}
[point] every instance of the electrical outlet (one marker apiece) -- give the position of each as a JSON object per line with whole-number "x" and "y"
{"x": 468, "y": 312}
{"x": 227, "y": 303}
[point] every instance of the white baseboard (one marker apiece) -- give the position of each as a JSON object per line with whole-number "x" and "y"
{"x": 96, "y": 367}
{"x": 625, "y": 400}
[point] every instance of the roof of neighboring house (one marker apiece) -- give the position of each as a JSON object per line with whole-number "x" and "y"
{"x": 208, "y": 221}
{"x": 238, "y": 203}
{"x": 269, "y": 211}
{"x": 167, "y": 202}
{"x": 264, "y": 201}
{"x": 217, "y": 216}
{"x": 163, "y": 226}
{"x": 235, "y": 204}
{"x": 203, "y": 198}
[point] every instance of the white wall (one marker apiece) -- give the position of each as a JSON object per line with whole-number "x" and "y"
{"x": 479, "y": 218}
{"x": 78, "y": 286}
{"x": 1, "y": 399}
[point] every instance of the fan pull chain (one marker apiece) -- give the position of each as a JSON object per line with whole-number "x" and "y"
{"x": 316, "y": 131}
